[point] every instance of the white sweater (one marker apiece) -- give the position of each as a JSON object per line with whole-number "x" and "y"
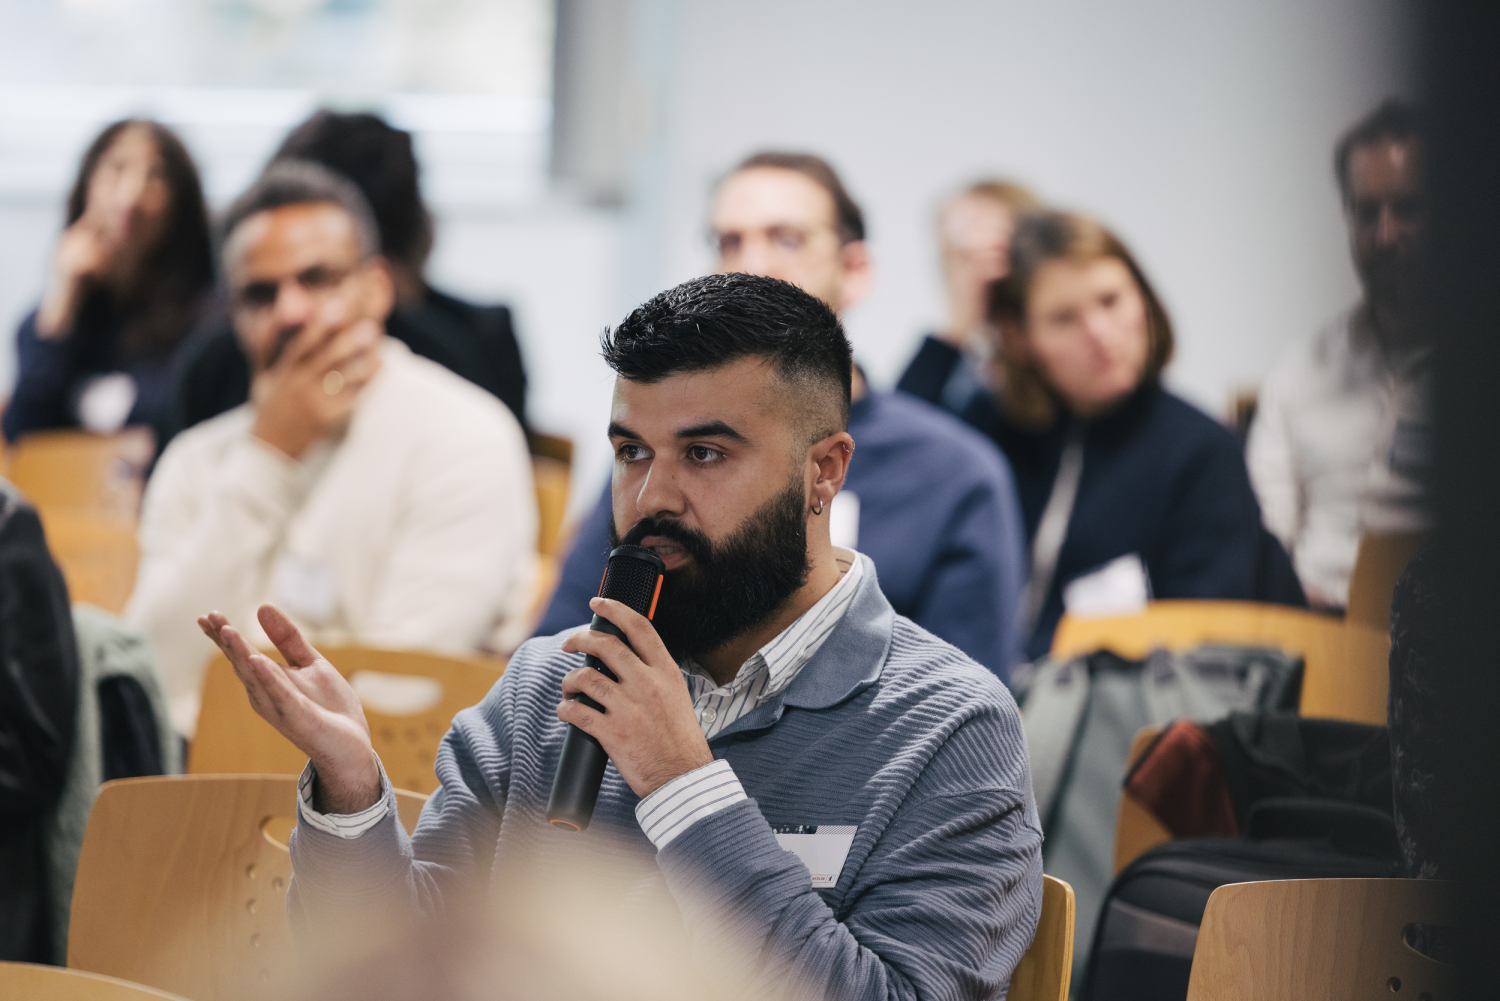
{"x": 1338, "y": 448}
{"x": 415, "y": 528}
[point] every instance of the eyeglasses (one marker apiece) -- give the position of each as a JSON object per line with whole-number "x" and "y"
{"x": 319, "y": 280}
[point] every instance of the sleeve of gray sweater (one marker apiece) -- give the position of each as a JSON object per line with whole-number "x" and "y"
{"x": 943, "y": 906}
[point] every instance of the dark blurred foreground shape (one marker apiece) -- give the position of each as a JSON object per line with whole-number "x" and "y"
{"x": 1462, "y": 77}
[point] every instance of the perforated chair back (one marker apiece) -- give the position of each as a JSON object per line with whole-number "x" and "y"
{"x": 232, "y": 739}
{"x": 1346, "y": 672}
{"x": 1320, "y": 938}
{"x": 84, "y": 473}
{"x": 1045, "y": 969}
{"x": 1381, "y": 561}
{"x": 54, "y": 983}
{"x": 98, "y": 556}
{"x": 182, "y": 884}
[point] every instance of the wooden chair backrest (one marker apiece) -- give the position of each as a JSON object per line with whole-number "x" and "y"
{"x": 98, "y": 556}
{"x": 182, "y": 884}
{"x": 232, "y": 739}
{"x": 82, "y": 472}
{"x": 551, "y": 478}
{"x": 54, "y": 983}
{"x": 1381, "y": 561}
{"x": 1346, "y": 675}
{"x": 1320, "y": 938}
{"x": 1136, "y": 828}
{"x": 1046, "y": 968}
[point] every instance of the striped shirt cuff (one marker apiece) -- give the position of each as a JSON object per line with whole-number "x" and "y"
{"x": 341, "y": 825}
{"x": 686, "y": 800}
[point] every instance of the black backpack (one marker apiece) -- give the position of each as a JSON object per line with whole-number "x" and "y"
{"x": 1312, "y": 799}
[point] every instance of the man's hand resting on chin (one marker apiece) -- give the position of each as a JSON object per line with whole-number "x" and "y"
{"x": 649, "y": 728}
{"x": 310, "y": 704}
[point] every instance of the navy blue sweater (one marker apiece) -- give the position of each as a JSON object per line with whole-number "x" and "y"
{"x": 937, "y": 513}
{"x": 1160, "y": 479}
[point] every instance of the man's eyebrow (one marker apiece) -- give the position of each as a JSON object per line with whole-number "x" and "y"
{"x": 712, "y": 429}
{"x": 618, "y": 430}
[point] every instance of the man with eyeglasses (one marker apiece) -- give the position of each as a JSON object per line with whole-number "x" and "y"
{"x": 930, "y": 501}
{"x": 374, "y": 495}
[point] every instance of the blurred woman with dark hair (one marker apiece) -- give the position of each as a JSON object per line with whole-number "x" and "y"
{"x": 131, "y": 276}
{"x": 1128, "y": 491}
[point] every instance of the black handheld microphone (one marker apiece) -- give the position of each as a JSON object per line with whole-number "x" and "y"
{"x": 632, "y": 577}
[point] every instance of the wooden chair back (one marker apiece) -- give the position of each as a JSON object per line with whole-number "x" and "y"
{"x": 1046, "y": 968}
{"x": 54, "y": 983}
{"x": 1346, "y": 674}
{"x": 98, "y": 556}
{"x": 551, "y": 468}
{"x": 182, "y": 884}
{"x": 81, "y": 472}
{"x": 1381, "y": 561}
{"x": 232, "y": 739}
{"x": 1320, "y": 938}
{"x": 1136, "y": 828}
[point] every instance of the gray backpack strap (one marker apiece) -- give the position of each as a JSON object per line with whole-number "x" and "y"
{"x": 1054, "y": 706}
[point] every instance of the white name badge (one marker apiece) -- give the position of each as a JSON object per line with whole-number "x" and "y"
{"x": 821, "y": 848}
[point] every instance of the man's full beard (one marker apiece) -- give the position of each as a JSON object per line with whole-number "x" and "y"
{"x": 727, "y": 589}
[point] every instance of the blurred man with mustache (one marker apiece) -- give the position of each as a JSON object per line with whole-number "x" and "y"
{"x": 837, "y": 801}
{"x": 1341, "y": 439}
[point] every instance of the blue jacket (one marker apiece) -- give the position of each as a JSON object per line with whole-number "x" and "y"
{"x": 887, "y": 730}
{"x": 937, "y": 513}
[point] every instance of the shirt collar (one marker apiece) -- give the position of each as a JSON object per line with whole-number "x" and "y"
{"x": 785, "y": 654}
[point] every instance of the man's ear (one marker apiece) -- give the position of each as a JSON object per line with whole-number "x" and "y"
{"x": 830, "y": 458}
{"x": 858, "y": 274}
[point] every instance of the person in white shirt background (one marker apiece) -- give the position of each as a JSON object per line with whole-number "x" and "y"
{"x": 1341, "y": 435}
{"x": 376, "y": 496}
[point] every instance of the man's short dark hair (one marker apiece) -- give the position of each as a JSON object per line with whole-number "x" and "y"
{"x": 848, "y": 220}
{"x": 297, "y": 182}
{"x": 378, "y": 158}
{"x": 718, "y": 319}
{"x": 1394, "y": 121}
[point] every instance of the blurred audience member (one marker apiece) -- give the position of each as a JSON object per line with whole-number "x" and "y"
{"x": 38, "y": 718}
{"x": 1341, "y": 437}
{"x": 379, "y": 498}
{"x": 131, "y": 276}
{"x": 1128, "y": 491}
{"x": 974, "y": 231}
{"x": 929, "y": 501}
{"x": 476, "y": 342}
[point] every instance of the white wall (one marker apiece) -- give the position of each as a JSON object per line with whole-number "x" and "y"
{"x": 1201, "y": 132}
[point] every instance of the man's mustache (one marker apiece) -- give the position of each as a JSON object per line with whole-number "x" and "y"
{"x": 693, "y": 542}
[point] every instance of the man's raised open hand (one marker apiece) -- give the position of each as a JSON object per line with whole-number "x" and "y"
{"x": 310, "y": 704}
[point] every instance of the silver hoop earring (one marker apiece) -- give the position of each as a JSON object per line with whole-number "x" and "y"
{"x": 819, "y": 509}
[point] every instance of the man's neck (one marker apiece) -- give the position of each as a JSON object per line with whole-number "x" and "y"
{"x": 724, "y": 663}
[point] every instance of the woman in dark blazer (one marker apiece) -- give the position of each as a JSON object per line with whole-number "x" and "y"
{"x": 1126, "y": 489}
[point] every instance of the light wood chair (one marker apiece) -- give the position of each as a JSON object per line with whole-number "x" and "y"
{"x": 1346, "y": 674}
{"x": 1046, "y": 968}
{"x": 98, "y": 555}
{"x": 54, "y": 983}
{"x": 1381, "y": 561}
{"x": 77, "y": 471}
{"x": 1320, "y": 938}
{"x": 231, "y": 738}
{"x": 182, "y": 884}
{"x": 1136, "y": 828}
{"x": 551, "y": 468}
